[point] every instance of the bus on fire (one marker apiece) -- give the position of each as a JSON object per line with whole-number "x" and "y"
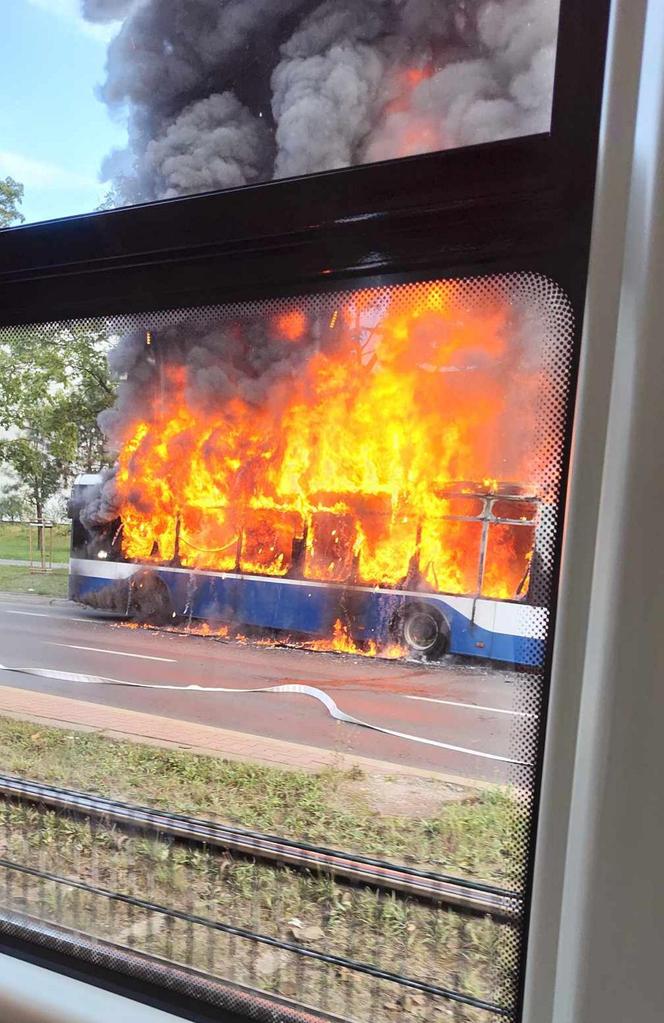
{"x": 301, "y": 574}
{"x": 332, "y": 469}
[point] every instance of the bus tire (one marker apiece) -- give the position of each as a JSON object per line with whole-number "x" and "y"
{"x": 149, "y": 600}
{"x": 424, "y": 631}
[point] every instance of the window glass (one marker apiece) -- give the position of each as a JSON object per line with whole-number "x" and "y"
{"x": 508, "y": 557}
{"x": 515, "y": 509}
{"x": 464, "y": 507}
{"x": 130, "y": 101}
{"x": 276, "y": 579}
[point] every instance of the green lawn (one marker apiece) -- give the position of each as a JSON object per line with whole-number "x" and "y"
{"x": 474, "y": 837}
{"x": 16, "y": 579}
{"x": 478, "y": 837}
{"x": 15, "y": 541}
{"x": 309, "y": 909}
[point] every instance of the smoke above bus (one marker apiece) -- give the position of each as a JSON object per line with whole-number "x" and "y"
{"x": 224, "y": 93}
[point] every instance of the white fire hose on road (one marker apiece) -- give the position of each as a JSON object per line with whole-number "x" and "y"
{"x": 300, "y": 690}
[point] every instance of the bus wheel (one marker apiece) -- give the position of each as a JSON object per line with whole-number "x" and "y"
{"x": 424, "y": 631}
{"x": 149, "y": 599}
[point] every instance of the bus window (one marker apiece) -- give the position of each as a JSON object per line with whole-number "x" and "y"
{"x": 450, "y": 555}
{"x": 208, "y": 539}
{"x": 464, "y": 507}
{"x": 524, "y": 511}
{"x": 333, "y": 537}
{"x": 507, "y": 561}
{"x": 387, "y": 539}
{"x": 267, "y": 544}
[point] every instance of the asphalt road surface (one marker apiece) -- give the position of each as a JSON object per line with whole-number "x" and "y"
{"x": 478, "y": 708}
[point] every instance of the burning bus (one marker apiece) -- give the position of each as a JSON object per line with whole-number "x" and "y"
{"x": 337, "y": 467}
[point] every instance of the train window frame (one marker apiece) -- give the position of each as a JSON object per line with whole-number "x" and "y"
{"x": 582, "y": 885}
{"x": 507, "y": 200}
{"x": 505, "y": 205}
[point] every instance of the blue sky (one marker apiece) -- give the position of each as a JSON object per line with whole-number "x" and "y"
{"x": 54, "y": 132}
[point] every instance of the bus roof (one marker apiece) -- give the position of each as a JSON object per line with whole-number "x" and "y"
{"x": 87, "y": 479}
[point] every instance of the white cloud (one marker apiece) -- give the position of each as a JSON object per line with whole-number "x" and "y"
{"x": 40, "y": 174}
{"x": 70, "y": 10}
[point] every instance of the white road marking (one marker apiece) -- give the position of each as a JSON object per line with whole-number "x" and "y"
{"x": 31, "y": 614}
{"x": 116, "y": 653}
{"x": 470, "y": 706}
{"x": 56, "y": 618}
{"x": 318, "y": 694}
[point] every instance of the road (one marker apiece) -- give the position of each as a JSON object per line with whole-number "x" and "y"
{"x": 474, "y": 708}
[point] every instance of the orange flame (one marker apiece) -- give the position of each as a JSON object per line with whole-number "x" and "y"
{"x": 348, "y": 472}
{"x": 292, "y": 325}
{"x": 341, "y": 642}
{"x": 407, "y": 127}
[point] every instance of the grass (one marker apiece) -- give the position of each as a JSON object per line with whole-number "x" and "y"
{"x": 15, "y": 541}
{"x": 475, "y": 837}
{"x": 16, "y": 579}
{"x": 307, "y": 909}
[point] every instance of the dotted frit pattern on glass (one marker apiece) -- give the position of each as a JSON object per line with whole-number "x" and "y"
{"x": 537, "y": 313}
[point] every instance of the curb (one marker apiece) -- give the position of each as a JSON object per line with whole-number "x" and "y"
{"x": 151, "y": 729}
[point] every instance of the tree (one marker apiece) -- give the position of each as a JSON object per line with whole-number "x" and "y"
{"x": 41, "y": 459}
{"x": 14, "y": 502}
{"x": 11, "y": 196}
{"x": 54, "y": 382}
{"x": 111, "y": 201}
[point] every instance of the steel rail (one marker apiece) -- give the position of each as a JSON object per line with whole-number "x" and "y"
{"x": 429, "y": 886}
{"x": 304, "y": 951}
{"x": 239, "y": 1003}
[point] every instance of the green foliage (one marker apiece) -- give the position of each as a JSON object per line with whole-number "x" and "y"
{"x": 54, "y": 383}
{"x": 14, "y": 505}
{"x": 111, "y": 201}
{"x": 296, "y": 804}
{"x": 11, "y": 196}
{"x": 42, "y": 457}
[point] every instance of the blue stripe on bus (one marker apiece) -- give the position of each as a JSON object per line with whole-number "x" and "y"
{"x": 289, "y": 607}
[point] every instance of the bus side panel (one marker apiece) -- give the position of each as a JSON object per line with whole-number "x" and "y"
{"x": 290, "y": 606}
{"x": 179, "y": 585}
{"x": 377, "y": 613}
{"x": 519, "y": 633}
{"x": 82, "y": 586}
{"x": 100, "y": 584}
{"x": 263, "y": 603}
{"x": 205, "y": 597}
{"x": 468, "y": 637}
{"x": 371, "y": 614}
{"x": 499, "y": 630}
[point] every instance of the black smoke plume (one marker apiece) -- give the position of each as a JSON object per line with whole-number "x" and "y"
{"x": 221, "y": 93}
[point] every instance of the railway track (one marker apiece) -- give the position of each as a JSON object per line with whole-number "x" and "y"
{"x": 429, "y": 886}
